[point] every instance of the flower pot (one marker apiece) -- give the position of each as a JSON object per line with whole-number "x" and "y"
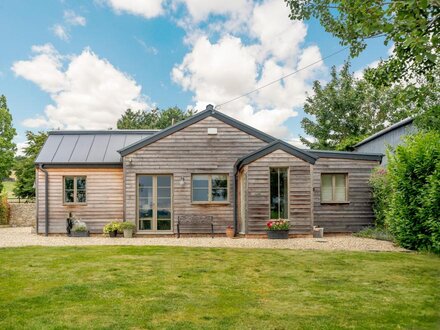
{"x": 278, "y": 234}
{"x": 230, "y": 232}
{"x": 80, "y": 234}
{"x": 128, "y": 233}
{"x": 113, "y": 233}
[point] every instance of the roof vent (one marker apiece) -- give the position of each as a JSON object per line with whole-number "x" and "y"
{"x": 212, "y": 131}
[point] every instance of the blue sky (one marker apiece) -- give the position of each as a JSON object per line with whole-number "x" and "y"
{"x": 80, "y": 64}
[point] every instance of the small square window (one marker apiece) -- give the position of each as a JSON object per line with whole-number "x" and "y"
{"x": 334, "y": 188}
{"x": 210, "y": 188}
{"x": 75, "y": 189}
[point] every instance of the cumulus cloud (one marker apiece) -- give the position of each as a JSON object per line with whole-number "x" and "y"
{"x": 144, "y": 8}
{"x": 201, "y": 9}
{"x": 60, "y": 32}
{"x": 87, "y": 91}
{"x": 220, "y": 70}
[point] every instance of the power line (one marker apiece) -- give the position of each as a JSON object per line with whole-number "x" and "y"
{"x": 283, "y": 77}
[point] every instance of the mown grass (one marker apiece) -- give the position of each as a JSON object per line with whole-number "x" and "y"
{"x": 195, "y": 288}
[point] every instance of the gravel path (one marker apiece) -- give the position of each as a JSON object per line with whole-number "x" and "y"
{"x": 15, "y": 237}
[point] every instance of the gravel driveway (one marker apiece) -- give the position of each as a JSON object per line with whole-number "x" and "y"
{"x": 14, "y": 237}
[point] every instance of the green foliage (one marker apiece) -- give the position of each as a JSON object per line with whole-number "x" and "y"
{"x": 25, "y": 166}
{"x": 7, "y": 146}
{"x": 126, "y": 225}
{"x": 112, "y": 226}
{"x": 378, "y": 233}
{"x": 414, "y": 174}
{"x": 347, "y": 109}
{"x": 154, "y": 119}
{"x": 412, "y": 26}
{"x": 381, "y": 190}
{"x": 4, "y": 210}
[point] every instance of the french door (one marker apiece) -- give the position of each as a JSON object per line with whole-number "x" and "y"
{"x": 154, "y": 202}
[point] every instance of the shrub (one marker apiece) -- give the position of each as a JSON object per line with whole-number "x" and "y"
{"x": 414, "y": 174}
{"x": 79, "y": 228}
{"x": 4, "y": 210}
{"x": 381, "y": 190}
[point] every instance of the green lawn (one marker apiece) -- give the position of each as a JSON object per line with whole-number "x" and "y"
{"x": 193, "y": 288}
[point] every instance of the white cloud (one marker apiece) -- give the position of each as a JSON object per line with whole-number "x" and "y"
{"x": 145, "y": 8}
{"x": 201, "y": 9}
{"x": 359, "y": 74}
{"x": 218, "y": 71}
{"x": 88, "y": 93}
{"x": 71, "y": 18}
{"x": 60, "y": 31}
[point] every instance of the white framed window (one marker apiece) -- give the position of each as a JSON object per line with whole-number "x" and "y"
{"x": 210, "y": 188}
{"x": 334, "y": 188}
{"x": 75, "y": 190}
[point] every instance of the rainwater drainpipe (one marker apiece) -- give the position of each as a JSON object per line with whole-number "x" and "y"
{"x": 235, "y": 200}
{"x": 46, "y": 199}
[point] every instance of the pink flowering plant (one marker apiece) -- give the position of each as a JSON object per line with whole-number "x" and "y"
{"x": 278, "y": 224}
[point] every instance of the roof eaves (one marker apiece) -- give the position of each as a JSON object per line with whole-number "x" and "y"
{"x": 209, "y": 111}
{"x": 346, "y": 155}
{"x": 80, "y": 165}
{"x": 391, "y": 128}
{"x": 271, "y": 147}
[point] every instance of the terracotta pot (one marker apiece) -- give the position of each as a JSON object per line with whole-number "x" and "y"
{"x": 230, "y": 232}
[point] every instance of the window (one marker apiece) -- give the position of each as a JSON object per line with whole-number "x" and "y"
{"x": 334, "y": 188}
{"x": 210, "y": 188}
{"x": 75, "y": 189}
{"x": 278, "y": 193}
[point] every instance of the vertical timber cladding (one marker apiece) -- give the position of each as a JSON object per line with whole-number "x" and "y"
{"x": 189, "y": 151}
{"x": 358, "y": 212}
{"x": 300, "y": 197}
{"x": 104, "y": 189}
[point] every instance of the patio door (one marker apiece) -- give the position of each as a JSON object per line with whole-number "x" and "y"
{"x": 154, "y": 203}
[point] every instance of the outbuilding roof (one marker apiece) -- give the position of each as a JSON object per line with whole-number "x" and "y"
{"x": 391, "y": 128}
{"x": 88, "y": 147}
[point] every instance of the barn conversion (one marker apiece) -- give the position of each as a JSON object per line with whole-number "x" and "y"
{"x": 210, "y": 165}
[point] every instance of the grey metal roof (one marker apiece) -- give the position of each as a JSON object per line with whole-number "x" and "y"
{"x": 401, "y": 123}
{"x": 88, "y": 147}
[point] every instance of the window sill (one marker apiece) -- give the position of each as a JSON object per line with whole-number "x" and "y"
{"x": 333, "y": 203}
{"x": 74, "y": 204}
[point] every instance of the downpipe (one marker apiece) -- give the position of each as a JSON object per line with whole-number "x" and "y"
{"x": 46, "y": 200}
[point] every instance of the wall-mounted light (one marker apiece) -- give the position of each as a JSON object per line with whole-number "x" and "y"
{"x": 182, "y": 181}
{"x": 130, "y": 161}
{"x": 212, "y": 130}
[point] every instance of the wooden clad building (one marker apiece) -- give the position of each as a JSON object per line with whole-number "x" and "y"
{"x": 208, "y": 165}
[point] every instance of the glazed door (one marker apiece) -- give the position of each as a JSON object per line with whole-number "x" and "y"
{"x": 154, "y": 203}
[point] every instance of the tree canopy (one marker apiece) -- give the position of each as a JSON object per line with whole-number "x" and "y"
{"x": 25, "y": 166}
{"x": 153, "y": 119}
{"x": 7, "y": 145}
{"x": 346, "y": 110}
{"x": 411, "y": 26}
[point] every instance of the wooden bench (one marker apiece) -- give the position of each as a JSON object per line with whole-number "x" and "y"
{"x": 201, "y": 221}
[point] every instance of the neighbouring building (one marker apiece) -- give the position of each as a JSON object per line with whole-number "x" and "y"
{"x": 389, "y": 137}
{"x": 209, "y": 164}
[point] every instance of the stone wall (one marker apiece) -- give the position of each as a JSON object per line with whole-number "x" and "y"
{"x": 22, "y": 214}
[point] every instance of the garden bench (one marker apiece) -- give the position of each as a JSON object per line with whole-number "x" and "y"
{"x": 201, "y": 221}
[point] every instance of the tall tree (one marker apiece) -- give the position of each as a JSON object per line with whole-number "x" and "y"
{"x": 25, "y": 166}
{"x": 153, "y": 119}
{"x": 412, "y": 26}
{"x": 7, "y": 146}
{"x": 347, "y": 109}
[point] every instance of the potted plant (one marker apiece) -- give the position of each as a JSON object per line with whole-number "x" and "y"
{"x": 112, "y": 228}
{"x": 277, "y": 229}
{"x": 230, "y": 232}
{"x": 127, "y": 228}
{"x": 79, "y": 230}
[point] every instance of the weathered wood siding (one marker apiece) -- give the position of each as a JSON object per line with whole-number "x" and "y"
{"x": 104, "y": 198}
{"x": 300, "y": 197}
{"x": 354, "y": 215}
{"x": 190, "y": 151}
